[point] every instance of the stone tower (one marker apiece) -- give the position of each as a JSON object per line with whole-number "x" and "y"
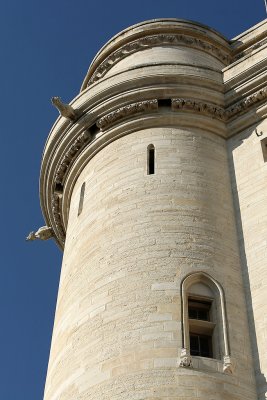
{"x": 153, "y": 180}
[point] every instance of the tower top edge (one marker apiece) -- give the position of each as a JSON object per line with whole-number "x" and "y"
{"x": 154, "y": 27}
{"x": 147, "y": 90}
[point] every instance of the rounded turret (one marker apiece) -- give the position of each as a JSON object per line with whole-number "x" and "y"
{"x": 135, "y": 185}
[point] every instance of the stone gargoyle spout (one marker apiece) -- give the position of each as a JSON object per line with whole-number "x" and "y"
{"x": 43, "y": 233}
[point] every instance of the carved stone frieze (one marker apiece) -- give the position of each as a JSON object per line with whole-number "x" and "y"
{"x": 125, "y": 111}
{"x": 244, "y": 104}
{"x": 199, "y": 106}
{"x": 157, "y": 40}
{"x": 77, "y": 145}
{"x": 57, "y": 216}
{"x": 219, "y": 112}
{"x": 108, "y": 120}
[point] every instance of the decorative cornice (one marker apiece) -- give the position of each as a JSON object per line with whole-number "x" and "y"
{"x": 78, "y": 144}
{"x": 219, "y": 112}
{"x": 114, "y": 116}
{"x": 246, "y": 103}
{"x": 248, "y": 51}
{"x": 152, "y": 105}
{"x": 157, "y": 40}
{"x": 199, "y": 106}
{"x": 177, "y": 104}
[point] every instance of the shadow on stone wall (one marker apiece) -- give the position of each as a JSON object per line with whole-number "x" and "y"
{"x": 261, "y": 382}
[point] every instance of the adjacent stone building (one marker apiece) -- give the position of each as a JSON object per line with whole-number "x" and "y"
{"x": 154, "y": 181}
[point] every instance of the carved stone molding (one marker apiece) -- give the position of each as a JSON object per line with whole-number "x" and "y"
{"x": 70, "y": 155}
{"x": 185, "y": 359}
{"x": 141, "y": 106}
{"x": 199, "y": 106}
{"x": 57, "y": 216}
{"x": 244, "y": 104}
{"x": 177, "y": 104}
{"x": 219, "y": 112}
{"x": 157, "y": 40}
{"x": 249, "y": 50}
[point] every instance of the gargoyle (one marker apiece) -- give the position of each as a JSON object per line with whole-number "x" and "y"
{"x": 43, "y": 233}
{"x": 65, "y": 110}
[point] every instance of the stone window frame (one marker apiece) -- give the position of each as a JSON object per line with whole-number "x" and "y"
{"x": 186, "y": 359}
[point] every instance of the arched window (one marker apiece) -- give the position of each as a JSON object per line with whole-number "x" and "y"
{"x": 204, "y": 320}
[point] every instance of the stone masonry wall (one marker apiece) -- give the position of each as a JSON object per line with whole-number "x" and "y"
{"x": 117, "y": 331}
{"x": 249, "y": 171}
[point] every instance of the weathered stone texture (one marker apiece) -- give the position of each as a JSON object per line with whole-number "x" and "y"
{"x": 132, "y": 238}
{"x": 138, "y": 235}
{"x": 250, "y": 195}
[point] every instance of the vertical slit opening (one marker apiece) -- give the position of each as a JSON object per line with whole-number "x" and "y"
{"x": 81, "y": 199}
{"x": 151, "y": 159}
{"x": 264, "y": 149}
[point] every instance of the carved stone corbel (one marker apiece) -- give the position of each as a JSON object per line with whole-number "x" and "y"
{"x": 185, "y": 359}
{"x": 65, "y": 110}
{"x": 228, "y": 367}
{"x": 43, "y": 233}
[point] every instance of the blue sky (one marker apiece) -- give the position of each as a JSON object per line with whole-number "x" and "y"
{"x": 46, "y": 48}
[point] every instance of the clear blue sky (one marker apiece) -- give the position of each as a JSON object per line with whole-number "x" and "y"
{"x": 46, "y": 48}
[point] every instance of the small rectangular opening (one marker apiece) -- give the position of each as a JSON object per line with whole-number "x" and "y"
{"x": 164, "y": 102}
{"x": 81, "y": 199}
{"x": 151, "y": 160}
{"x": 59, "y": 188}
{"x": 94, "y": 130}
{"x": 264, "y": 149}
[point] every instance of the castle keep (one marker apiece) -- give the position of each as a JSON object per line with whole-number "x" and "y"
{"x": 154, "y": 182}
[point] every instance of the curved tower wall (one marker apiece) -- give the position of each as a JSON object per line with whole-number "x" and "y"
{"x": 119, "y": 330}
{"x": 118, "y": 325}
